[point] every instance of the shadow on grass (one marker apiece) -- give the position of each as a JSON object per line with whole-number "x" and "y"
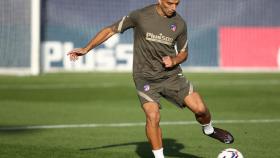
{"x": 16, "y": 130}
{"x": 143, "y": 149}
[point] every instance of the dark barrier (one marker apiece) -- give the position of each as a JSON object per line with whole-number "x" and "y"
{"x": 71, "y": 23}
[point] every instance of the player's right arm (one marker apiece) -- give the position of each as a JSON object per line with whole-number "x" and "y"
{"x": 119, "y": 27}
{"x": 99, "y": 38}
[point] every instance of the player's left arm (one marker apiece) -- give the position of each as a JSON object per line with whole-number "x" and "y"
{"x": 173, "y": 61}
{"x": 182, "y": 48}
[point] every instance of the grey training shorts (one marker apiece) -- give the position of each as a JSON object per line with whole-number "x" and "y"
{"x": 174, "y": 89}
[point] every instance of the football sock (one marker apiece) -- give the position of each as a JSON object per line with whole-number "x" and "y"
{"x": 208, "y": 128}
{"x": 158, "y": 153}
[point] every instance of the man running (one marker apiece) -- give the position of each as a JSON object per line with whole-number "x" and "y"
{"x": 158, "y": 32}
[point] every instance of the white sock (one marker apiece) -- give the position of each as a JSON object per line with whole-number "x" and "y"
{"x": 208, "y": 128}
{"x": 158, "y": 153}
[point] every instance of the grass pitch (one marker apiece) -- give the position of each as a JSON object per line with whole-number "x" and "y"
{"x": 106, "y": 98}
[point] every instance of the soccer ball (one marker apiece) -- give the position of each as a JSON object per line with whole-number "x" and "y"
{"x": 230, "y": 153}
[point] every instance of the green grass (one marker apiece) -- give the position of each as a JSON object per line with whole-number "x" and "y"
{"x": 85, "y": 98}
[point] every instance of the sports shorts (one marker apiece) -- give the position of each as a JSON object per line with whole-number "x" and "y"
{"x": 173, "y": 89}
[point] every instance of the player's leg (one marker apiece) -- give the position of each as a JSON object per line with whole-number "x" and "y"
{"x": 180, "y": 91}
{"x": 153, "y": 130}
{"x": 148, "y": 94}
{"x": 196, "y": 104}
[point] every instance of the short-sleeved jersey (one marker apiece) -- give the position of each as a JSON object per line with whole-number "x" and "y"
{"x": 155, "y": 36}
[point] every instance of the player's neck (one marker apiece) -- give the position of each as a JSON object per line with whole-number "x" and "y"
{"x": 160, "y": 11}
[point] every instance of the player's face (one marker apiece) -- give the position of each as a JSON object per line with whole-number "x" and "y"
{"x": 168, "y": 6}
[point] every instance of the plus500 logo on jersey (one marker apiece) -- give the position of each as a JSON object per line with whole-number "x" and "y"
{"x": 160, "y": 38}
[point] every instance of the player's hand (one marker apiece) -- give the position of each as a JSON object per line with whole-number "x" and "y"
{"x": 168, "y": 62}
{"x": 75, "y": 53}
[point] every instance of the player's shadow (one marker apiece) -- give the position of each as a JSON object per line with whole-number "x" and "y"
{"x": 16, "y": 130}
{"x": 143, "y": 149}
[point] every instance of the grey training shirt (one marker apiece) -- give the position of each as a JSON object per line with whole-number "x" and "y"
{"x": 155, "y": 36}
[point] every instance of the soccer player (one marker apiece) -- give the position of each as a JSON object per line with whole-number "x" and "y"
{"x": 158, "y": 32}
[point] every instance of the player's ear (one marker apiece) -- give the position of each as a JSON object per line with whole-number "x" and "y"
{"x": 159, "y": 1}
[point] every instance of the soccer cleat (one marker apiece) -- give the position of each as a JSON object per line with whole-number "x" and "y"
{"x": 221, "y": 135}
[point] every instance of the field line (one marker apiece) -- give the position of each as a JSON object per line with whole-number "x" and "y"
{"x": 14, "y": 128}
{"x": 29, "y": 86}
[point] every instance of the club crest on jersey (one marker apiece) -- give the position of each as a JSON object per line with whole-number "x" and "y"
{"x": 173, "y": 27}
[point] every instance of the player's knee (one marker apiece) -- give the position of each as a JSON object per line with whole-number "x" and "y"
{"x": 153, "y": 118}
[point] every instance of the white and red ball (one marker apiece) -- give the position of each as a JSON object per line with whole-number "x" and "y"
{"x": 230, "y": 153}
